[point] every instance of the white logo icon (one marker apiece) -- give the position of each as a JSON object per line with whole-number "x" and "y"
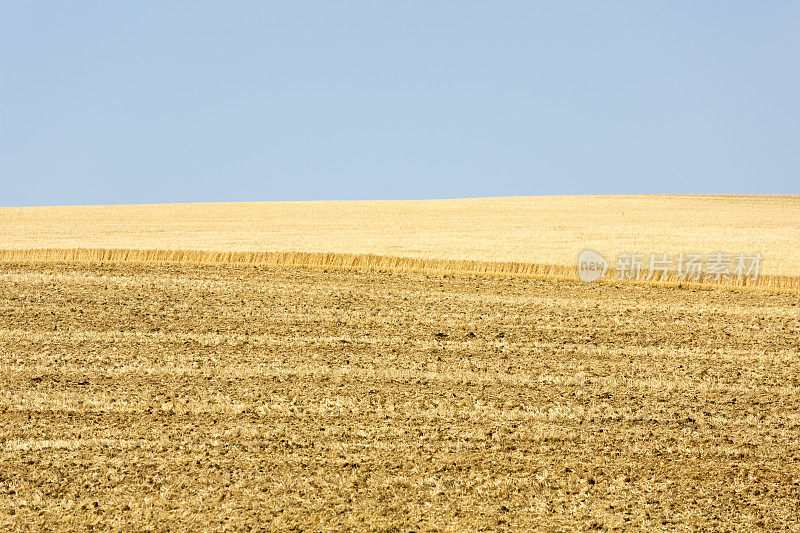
{"x": 591, "y": 266}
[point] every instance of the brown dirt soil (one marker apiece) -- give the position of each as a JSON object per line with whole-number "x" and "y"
{"x": 218, "y": 397}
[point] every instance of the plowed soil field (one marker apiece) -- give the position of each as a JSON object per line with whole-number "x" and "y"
{"x": 211, "y": 397}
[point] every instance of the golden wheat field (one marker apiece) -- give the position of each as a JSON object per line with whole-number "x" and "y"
{"x": 428, "y": 366}
{"x": 548, "y": 230}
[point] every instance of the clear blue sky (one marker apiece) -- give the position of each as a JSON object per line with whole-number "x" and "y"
{"x": 147, "y": 102}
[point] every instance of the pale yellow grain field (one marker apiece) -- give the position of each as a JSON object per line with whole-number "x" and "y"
{"x": 435, "y": 369}
{"x": 539, "y": 230}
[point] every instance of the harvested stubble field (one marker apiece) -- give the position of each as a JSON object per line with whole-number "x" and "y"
{"x": 231, "y": 397}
